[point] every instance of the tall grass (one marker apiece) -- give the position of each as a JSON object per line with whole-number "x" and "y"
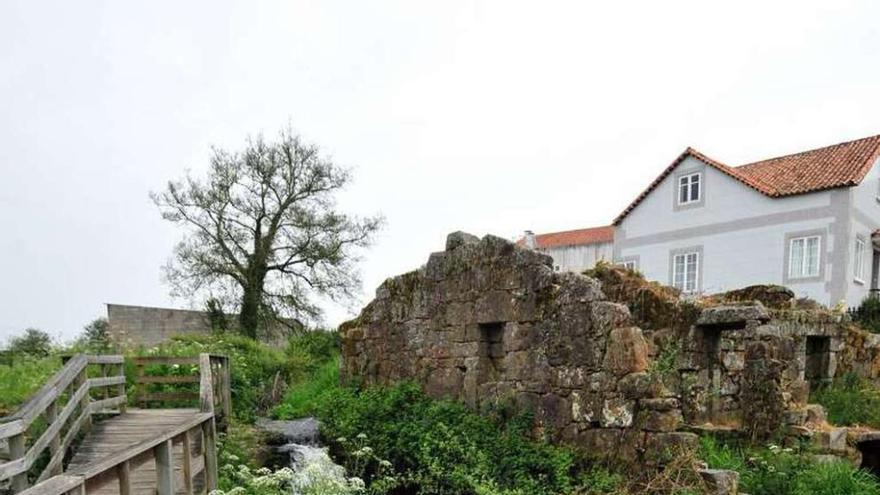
{"x": 850, "y": 400}
{"x": 22, "y": 378}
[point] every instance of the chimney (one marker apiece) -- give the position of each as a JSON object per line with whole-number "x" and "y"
{"x": 529, "y": 240}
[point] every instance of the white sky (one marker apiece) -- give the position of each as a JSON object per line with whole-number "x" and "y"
{"x": 480, "y": 116}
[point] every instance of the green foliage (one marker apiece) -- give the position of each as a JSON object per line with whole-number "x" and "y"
{"x": 774, "y": 470}
{"x": 24, "y": 376}
{"x": 302, "y": 397}
{"x": 256, "y": 368}
{"x": 850, "y": 400}
{"x": 260, "y": 373}
{"x": 34, "y": 342}
{"x": 441, "y": 446}
{"x": 665, "y": 365}
{"x": 95, "y": 337}
{"x": 216, "y": 316}
{"x": 867, "y": 314}
{"x": 310, "y": 352}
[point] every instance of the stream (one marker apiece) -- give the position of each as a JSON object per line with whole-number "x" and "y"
{"x": 297, "y": 443}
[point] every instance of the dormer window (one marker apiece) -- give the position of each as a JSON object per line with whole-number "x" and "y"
{"x": 689, "y": 189}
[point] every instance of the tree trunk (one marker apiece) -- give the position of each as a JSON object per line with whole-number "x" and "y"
{"x": 249, "y": 319}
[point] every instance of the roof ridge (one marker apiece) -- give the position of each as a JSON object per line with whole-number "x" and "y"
{"x": 820, "y": 148}
{"x": 576, "y": 230}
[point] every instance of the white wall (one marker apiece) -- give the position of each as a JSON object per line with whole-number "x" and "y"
{"x": 741, "y": 231}
{"x": 580, "y": 258}
{"x": 865, "y": 220}
{"x": 726, "y": 199}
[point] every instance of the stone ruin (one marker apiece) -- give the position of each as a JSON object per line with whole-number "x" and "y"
{"x": 634, "y": 374}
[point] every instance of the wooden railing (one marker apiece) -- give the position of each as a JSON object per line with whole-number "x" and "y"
{"x": 61, "y": 409}
{"x": 118, "y": 467}
{"x": 219, "y": 384}
{"x": 66, "y": 405}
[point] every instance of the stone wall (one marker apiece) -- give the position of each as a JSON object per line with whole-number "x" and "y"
{"x": 486, "y": 321}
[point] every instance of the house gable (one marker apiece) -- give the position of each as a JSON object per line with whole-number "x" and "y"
{"x": 840, "y": 165}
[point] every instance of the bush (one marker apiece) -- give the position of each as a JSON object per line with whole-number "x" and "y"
{"x": 34, "y": 342}
{"x": 850, "y": 400}
{"x": 256, "y": 369}
{"x": 441, "y": 446}
{"x": 95, "y": 337}
{"x": 867, "y": 314}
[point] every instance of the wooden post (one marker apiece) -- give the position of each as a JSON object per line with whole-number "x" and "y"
{"x": 83, "y": 378}
{"x": 206, "y": 384}
{"x": 17, "y": 450}
{"x": 123, "y": 471}
{"x": 105, "y": 392}
{"x": 187, "y": 464}
{"x": 121, "y": 389}
{"x": 55, "y": 443}
{"x": 140, "y": 386}
{"x": 164, "y": 468}
{"x": 209, "y": 445}
{"x": 227, "y": 393}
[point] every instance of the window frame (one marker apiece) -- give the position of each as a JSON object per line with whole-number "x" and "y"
{"x": 860, "y": 249}
{"x": 685, "y": 183}
{"x": 685, "y": 279}
{"x": 804, "y": 274}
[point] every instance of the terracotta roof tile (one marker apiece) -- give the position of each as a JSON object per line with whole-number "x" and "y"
{"x": 577, "y": 237}
{"x": 839, "y": 165}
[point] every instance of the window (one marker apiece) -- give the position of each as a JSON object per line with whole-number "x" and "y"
{"x": 685, "y": 271}
{"x": 688, "y": 189}
{"x": 629, "y": 265}
{"x": 804, "y": 257}
{"x": 859, "y": 260}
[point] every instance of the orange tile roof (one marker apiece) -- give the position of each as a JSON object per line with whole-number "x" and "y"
{"x": 593, "y": 235}
{"x": 839, "y": 165}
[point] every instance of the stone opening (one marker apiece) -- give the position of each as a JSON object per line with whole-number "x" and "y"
{"x": 870, "y": 450}
{"x": 713, "y": 364}
{"x": 492, "y": 342}
{"x": 818, "y": 358}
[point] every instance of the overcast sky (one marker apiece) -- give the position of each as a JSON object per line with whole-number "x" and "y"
{"x": 480, "y": 116}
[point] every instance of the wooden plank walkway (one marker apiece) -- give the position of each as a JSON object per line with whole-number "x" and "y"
{"x": 116, "y": 434}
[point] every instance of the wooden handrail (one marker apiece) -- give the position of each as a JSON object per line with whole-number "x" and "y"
{"x": 72, "y": 380}
{"x": 66, "y": 420}
{"x": 214, "y": 379}
{"x": 156, "y": 448}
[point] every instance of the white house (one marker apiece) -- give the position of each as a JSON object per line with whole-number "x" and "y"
{"x": 574, "y": 250}
{"x": 807, "y": 221}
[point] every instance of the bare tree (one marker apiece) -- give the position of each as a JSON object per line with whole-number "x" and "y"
{"x": 264, "y": 233}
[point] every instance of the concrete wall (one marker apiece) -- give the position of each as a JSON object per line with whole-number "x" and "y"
{"x": 139, "y": 325}
{"x": 743, "y": 235}
{"x": 132, "y": 326}
{"x": 579, "y": 258}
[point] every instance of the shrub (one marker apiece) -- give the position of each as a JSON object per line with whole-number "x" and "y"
{"x": 300, "y": 399}
{"x": 850, "y": 400}
{"x": 95, "y": 336}
{"x": 256, "y": 368}
{"x": 441, "y": 446}
{"x": 34, "y": 342}
{"x": 867, "y": 314}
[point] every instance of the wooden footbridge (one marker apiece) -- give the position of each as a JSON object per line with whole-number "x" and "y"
{"x": 77, "y": 435}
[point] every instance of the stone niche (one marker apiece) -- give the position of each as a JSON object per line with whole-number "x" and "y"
{"x": 486, "y": 321}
